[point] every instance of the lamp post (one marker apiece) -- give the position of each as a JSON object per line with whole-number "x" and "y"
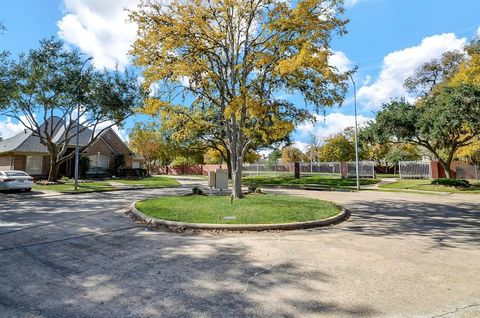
{"x": 356, "y": 133}
{"x": 77, "y": 130}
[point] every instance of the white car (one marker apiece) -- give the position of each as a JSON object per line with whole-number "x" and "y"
{"x": 15, "y": 180}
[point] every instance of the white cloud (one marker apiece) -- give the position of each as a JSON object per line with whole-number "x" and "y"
{"x": 351, "y": 3}
{"x": 8, "y": 128}
{"x": 340, "y": 60}
{"x": 331, "y": 124}
{"x": 478, "y": 31}
{"x": 399, "y": 65}
{"x": 100, "y": 29}
{"x": 301, "y": 145}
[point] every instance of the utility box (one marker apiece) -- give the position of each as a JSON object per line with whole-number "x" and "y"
{"x": 221, "y": 179}
{"x": 218, "y": 179}
{"x": 211, "y": 179}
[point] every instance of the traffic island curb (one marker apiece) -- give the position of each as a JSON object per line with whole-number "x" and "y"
{"x": 183, "y": 226}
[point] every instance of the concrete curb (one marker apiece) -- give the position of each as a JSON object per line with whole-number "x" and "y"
{"x": 50, "y": 192}
{"x": 304, "y": 187}
{"x": 341, "y": 216}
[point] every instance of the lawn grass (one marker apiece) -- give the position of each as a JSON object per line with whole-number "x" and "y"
{"x": 151, "y": 182}
{"x": 98, "y": 186}
{"x": 82, "y": 187}
{"x": 425, "y": 185}
{"x": 333, "y": 182}
{"x": 253, "y": 209}
{"x": 387, "y": 175}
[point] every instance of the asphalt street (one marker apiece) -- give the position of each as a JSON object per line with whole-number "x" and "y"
{"x": 399, "y": 255}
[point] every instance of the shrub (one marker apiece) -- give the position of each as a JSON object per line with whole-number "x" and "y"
{"x": 452, "y": 182}
{"x": 64, "y": 179}
{"x": 118, "y": 163}
{"x": 196, "y": 190}
{"x": 84, "y": 166}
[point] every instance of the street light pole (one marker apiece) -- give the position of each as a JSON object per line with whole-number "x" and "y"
{"x": 356, "y": 133}
{"x": 77, "y": 137}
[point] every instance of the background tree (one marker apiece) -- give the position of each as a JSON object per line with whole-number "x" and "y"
{"x": 46, "y": 86}
{"x": 377, "y": 152}
{"x": 429, "y": 75}
{"x": 231, "y": 58}
{"x": 149, "y": 141}
{"x": 468, "y": 72}
{"x": 402, "y": 152}
{"x": 273, "y": 158}
{"x": 291, "y": 154}
{"x": 213, "y": 156}
{"x": 446, "y": 117}
{"x": 311, "y": 154}
{"x": 442, "y": 123}
{"x": 470, "y": 153}
{"x": 5, "y": 82}
{"x": 337, "y": 148}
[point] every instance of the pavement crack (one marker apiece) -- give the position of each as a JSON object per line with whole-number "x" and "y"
{"x": 457, "y": 310}
{"x": 256, "y": 274}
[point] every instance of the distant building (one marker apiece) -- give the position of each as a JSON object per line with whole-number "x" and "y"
{"x": 25, "y": 152}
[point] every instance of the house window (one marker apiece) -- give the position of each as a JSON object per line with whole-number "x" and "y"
{"x": 135, "y": 165}
{"x": 34, "y": 165}
{"x": 99, "y": 163}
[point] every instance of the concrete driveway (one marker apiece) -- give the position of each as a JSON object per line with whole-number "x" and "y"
{"x": 399, "y": 255}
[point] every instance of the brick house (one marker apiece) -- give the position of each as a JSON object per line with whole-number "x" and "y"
{"x": 25, "y": 152}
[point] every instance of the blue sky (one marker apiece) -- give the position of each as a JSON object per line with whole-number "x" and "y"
{"x": 387, "y": 40}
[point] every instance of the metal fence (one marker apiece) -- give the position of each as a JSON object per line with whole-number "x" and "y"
{"x": 366, "y": 169}
{"x": 327, "y": 169}
{"x": 275, "y": 170}
{"x": 414, "y": 170}
{"x": 466, "y": 171}
{"x": 321, "y": 168}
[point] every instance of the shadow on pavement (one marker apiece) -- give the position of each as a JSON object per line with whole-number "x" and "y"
{"x": 446, "y": 224}
{"x": 152, "y": 274}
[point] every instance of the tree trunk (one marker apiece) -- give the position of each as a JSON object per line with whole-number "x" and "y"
{"x": 236, "y": 161}
{"x": 446, "y": 167}
{"x": 237, "y": 182}
{"x": 53, "y": 171}
{"x": 229, "y": 168}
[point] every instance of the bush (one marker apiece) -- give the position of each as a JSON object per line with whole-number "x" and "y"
{"x": 84, "y": 166}
{"x": 64, "y": 179}
{"x": 133, "y": 173}
{"x": 252, "y": 189}
{"x": 197, "y": 190}
{"x": 452, "y": 182}
{"x": 118, "y": 164}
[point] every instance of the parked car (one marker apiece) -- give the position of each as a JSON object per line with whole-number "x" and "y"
{"x": 15, "y": 180}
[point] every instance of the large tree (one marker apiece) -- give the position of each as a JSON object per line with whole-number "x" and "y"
{"x": 231, "y": 58}
{"x": 446, "y": 116}
{"x": 47, "y": 84}
{"x": 443, "y": 122}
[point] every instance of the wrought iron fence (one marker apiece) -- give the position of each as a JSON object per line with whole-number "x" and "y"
{"x": 366, "y": 169}
{"x": 414, "y": 170}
